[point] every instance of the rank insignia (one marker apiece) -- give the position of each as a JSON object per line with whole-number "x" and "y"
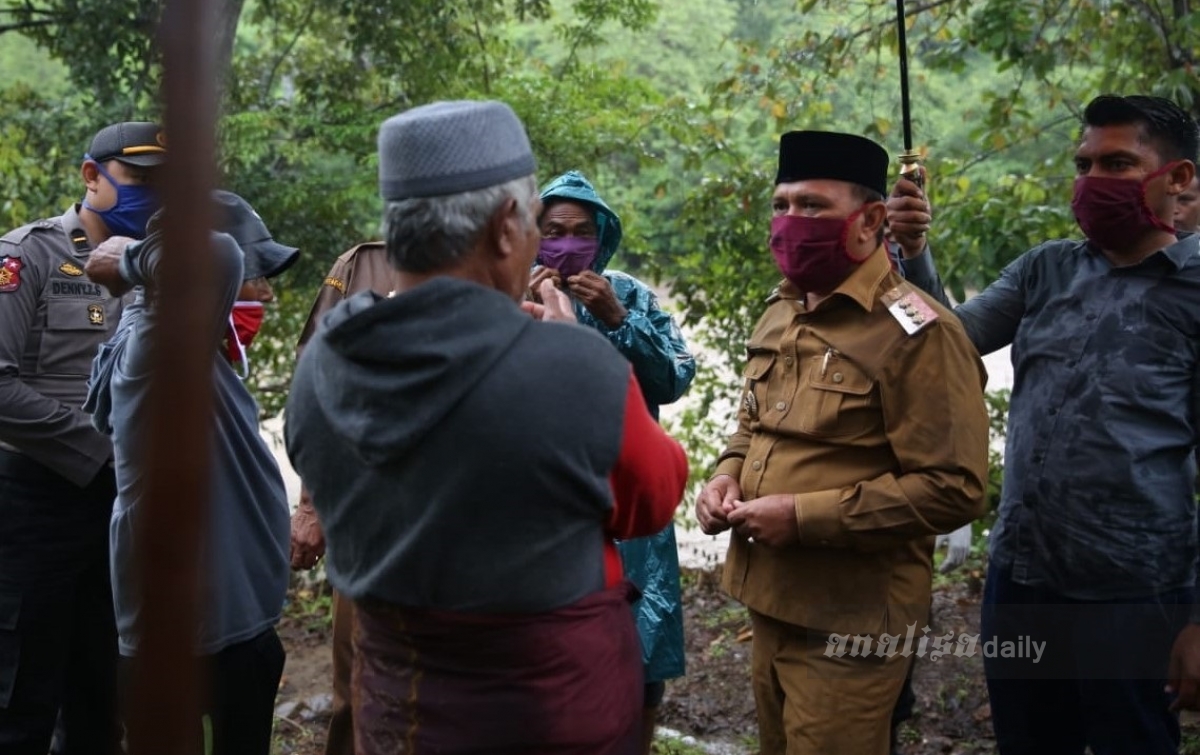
{"x": 10, "y": 274}
{"x": 71, "y": 269}
{"x": 337, "y": 283}
{"x": 910, "y": 310}
{"x": 95, "y": 314}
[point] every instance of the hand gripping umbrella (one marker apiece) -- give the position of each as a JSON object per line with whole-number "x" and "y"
{"x": 910, "y": 161}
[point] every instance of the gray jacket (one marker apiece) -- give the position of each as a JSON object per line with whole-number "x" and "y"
{"x": 247, "y": 548}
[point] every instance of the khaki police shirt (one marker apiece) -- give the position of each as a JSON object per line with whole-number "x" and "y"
{"x": 52, "y": 321}
{"x": 880, "y": 435}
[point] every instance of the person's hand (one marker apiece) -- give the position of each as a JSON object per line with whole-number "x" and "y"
{"x": 308, "y": 539}
{"x": 1183, "y": 672}
{"x": 958, "y": 546}
{"x": 715, "y": 502}
{"x": 770, "y": 520}
{"x": 555, "y": 306}
{"x": 535, "y": 282}
{"x": 596, "y": 294}
{"x": 104, "y": 265}
{"x": 909, "y": 216}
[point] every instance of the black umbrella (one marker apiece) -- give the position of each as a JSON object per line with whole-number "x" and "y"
{"x": 910, "y": 161}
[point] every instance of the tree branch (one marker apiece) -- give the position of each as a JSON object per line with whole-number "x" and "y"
{"x": 287, "y": 50}
{"x": 487, "y": 76}
{"x": 22, "y": 25}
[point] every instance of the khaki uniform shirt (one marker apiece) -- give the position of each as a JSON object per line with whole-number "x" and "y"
{"x": 363, "y": 268}
{"x": 52, "y": 321}
{"x": 881, "y": 436}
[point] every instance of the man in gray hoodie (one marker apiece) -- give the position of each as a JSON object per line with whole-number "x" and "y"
{"x": 471, "y": 466}
{"x": 248, "y": 534}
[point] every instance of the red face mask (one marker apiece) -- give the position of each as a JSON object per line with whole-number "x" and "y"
{"x": 1112, "y": 212}
{"x": 244, "y": 323}
{"x": 811, "y": 252}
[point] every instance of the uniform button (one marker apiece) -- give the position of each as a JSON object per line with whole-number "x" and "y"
{"x": 780, "y": 406}
{"x": 757, "y": 465}
{"x": 789, "y": 361}
{"x": 838, "y": 377}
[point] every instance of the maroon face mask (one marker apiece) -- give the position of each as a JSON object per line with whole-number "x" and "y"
{"x": 1112, "y": 212}
{"x": 811, "y": 252}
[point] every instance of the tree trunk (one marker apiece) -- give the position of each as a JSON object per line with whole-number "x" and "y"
{"x": 225, "y": 31}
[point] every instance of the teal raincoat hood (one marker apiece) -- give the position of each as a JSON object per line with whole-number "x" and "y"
{"x": 574, "y": 187}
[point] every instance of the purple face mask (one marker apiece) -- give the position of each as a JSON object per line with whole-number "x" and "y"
{"x": 569, "y": 255}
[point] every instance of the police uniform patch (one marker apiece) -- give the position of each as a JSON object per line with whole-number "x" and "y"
{"x": 70, "y": 268}
{"x": 910, "y": 310}
{"x": 337, "y": 283}
{"x": 10, "y": 274}
{"x": 95, "y": 314}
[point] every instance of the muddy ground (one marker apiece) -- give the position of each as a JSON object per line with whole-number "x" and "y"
{"x": 713, "y": 705}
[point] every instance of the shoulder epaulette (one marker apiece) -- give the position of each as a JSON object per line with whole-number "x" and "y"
{"x": 17, "y": 235}
{"x": 909, "y": 308}
{"x": 366, "y": 246}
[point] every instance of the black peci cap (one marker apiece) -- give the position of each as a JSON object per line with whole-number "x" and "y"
{"x": 805, "y": 155}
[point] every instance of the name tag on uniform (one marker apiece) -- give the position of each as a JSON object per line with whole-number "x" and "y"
{"x": 910, "y": 310}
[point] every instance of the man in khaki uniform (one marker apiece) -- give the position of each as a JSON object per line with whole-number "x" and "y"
{"x": 862, "y": 434}
{"x": 363, "y": 268}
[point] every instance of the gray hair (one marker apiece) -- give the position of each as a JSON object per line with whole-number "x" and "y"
{"x": 430, "y": 233}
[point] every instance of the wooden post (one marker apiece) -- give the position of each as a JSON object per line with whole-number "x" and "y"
{"x": 168, "y": 685}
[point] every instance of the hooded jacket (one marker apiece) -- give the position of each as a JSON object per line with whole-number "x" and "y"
{"x": 649, "y": 337}
{"x": 653, "y": 344}
{"x": 246, "y": 551}
{"x": 439, "y": 432}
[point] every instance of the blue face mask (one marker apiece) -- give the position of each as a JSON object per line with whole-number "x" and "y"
{"x": 132, "y": 210}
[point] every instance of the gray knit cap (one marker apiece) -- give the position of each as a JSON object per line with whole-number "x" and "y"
{"x": 450, "y": 148}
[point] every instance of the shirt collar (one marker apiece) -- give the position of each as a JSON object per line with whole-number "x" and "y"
{"x": 1186, "y": 246}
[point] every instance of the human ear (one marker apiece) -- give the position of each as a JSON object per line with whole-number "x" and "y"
{"x": 90, "y": 172}
{"x": 1180, "y": 177}
{"x": 506, "y": 225}
{"x": 873, "y": 217}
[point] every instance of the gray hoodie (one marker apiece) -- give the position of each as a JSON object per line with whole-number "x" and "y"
{"x": 246, "y": 553}
{"x": 459, "y": 452}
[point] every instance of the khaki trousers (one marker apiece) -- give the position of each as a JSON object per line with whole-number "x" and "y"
{"x": 811, "y": 704}
{"x": 340, "y": 740}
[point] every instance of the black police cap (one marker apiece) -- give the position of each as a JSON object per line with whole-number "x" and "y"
{"x": 133, "y": 142}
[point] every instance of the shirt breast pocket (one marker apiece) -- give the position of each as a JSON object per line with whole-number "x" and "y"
{"x": 757, "y": 375}
{"x": 837, "y": 400}
{"x": 75, "y": 328}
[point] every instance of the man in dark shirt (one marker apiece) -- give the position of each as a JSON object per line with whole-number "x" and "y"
{"x": 1095, "y": 544}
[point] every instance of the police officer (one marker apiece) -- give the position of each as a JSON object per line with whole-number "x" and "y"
{"x": 57, "y": 636}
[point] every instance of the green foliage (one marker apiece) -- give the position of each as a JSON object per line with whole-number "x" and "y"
{"x": 672, "y": 108}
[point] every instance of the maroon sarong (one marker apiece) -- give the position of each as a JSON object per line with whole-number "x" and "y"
{"x": 567, "y": 682}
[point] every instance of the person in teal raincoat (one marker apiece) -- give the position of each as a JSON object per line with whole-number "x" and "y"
{"x": 580, "y": 234}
